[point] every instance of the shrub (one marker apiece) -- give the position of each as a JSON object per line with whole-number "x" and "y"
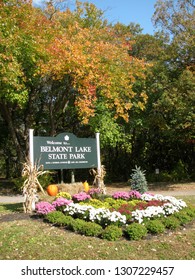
{"x": 52, "y": 217}
{"x": 46, "y": 179}
{"x": 190, "y": 211}
{"x": 77, "y": 225}
{"x": 183, "y": 217}
{"x": 17, "y": 183}
{"x": 58, "y": 218}
{"x": 65, "y": 221}
{"x": 136, "y": 231}
{"x": 85, "y": 228}
{"x": 171, "y": 222}
{"x": 91, "y": 229}
{"x": 180, "y": 172}
{"x": 112, "y": 233}
{"x": 155, "y": 226}
{"x": 138, "y": 180}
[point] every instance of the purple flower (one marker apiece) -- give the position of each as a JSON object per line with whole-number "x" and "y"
{"x": 80, "y": 196}
{"x": 134, "y": 194}
{"x": 61, "y": 202}
{"x": 44, "y": 207}
{"x": 121, "y": 195}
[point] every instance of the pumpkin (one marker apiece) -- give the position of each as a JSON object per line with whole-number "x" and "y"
{"x": 86, "y": 186}
{"x": 52, "y": 190}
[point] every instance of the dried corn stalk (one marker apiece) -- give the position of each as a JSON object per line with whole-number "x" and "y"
{"x": 31, "y": 185}
{"x": 99, "y": 178}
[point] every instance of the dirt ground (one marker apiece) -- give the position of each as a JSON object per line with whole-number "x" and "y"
{"x": 170, "y": 189}
{"x": 176, "y": 188}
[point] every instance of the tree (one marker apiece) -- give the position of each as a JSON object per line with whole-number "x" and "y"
{"x": 169, "y": 128}
{"x": 22, "y": 45}
{"x": 97, "y": 61}
{"x": 162, "y": 134}
{"x": 59, "y": 67}
{"x": 177, "y": 18}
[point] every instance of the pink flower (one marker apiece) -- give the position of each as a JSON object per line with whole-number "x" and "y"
{"x": 44, "y": 207}
{"x": 94, "y": 191}
{"x": 61, "y": 202}
{"x": 135, "y": 194}
{"x": 122, "y": 195}
{"x": 80, "y": 196}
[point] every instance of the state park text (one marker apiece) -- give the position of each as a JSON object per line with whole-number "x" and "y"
{"x": 62, "y": 152}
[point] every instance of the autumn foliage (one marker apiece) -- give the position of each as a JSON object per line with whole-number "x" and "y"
{"x": 72, "y": 70}
{"x": 98, "y": 62}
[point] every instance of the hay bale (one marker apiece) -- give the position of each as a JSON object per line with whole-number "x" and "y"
{"x": 71, "y": 188}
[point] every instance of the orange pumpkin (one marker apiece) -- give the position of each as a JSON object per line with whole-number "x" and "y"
{"x": 86, "y": 186}
{"x": 52, "y": 190}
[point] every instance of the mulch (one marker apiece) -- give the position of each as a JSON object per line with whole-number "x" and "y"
{"x": 18, "y": 217}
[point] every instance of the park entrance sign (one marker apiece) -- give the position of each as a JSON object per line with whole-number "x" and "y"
{"x": 64, "y": 151}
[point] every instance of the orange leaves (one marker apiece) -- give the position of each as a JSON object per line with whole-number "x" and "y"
{"x": 97, "y": 61}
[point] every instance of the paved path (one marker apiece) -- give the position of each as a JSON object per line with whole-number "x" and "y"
{"x": 175, "y": 193}
{"x": 11, "y": 199}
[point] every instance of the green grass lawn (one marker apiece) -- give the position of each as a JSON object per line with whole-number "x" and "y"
{"x": 33, "y": 239}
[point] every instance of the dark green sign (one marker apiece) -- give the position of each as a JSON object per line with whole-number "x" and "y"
{"x": 65, "y": 151}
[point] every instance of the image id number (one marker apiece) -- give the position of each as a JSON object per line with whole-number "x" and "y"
{"x": 140, "y": 270}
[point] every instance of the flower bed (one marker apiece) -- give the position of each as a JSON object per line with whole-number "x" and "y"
{"x": 119, "y": 214}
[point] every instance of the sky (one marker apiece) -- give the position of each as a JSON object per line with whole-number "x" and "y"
{"x": 125, "y": 11}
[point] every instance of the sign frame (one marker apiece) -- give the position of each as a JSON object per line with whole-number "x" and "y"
{"x": 77, "y": 153}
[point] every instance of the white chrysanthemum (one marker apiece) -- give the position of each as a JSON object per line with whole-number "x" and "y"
{"x": 147, "y": 197}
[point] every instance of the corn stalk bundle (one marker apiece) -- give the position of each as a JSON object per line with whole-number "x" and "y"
{"x": 99, "y": 178}
{"x": 31, "y": 185}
